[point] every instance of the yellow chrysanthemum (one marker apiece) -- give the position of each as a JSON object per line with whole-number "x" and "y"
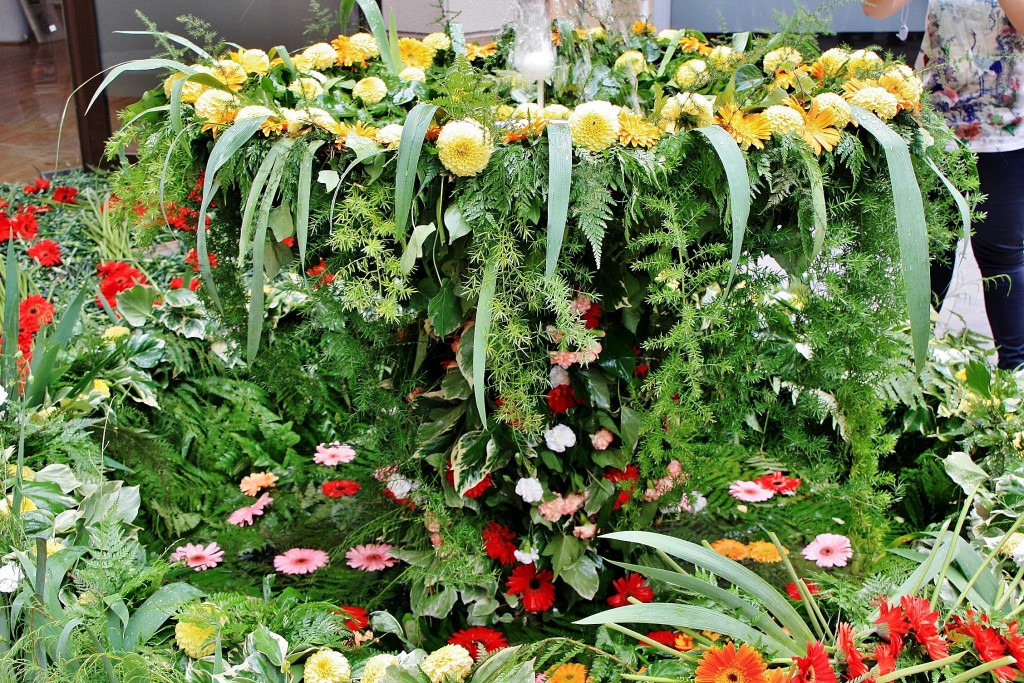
{"x": 783, "y": 58}
{"x": 878, "y": 100}
{"x": 437, "y": 41}
{"x": 273, "y": 124}
{"x": 902, "y": 82}
{"x": 302, "y": 63}
{"x": 376, "y": 666}
{"x": 595, "y": 125}
{"x": 475, "y": 51}
{"x": 230, "y": 73}
{"x": 447, "y": 664}
{"x": 692, "y": 74}
{"x": 556, "y": 112}
{"x": 217, "y": 107}
{"x": 365, "y": 44}
{"x": 320, "y": 55}
{"x": 370, "y": 90}
{"x": 464, "y": 147}
{"x": 26, "y": 473}
{"x": 632, "y": 60}
{"x": 195, "y": 640}
{"x": 763, "y": 552}
{"x": 7, "y": 502}
{"x": 1013, "y": 543}
{"x": 698, "y": 106}
{"x": 747, "y": 130}
{"x": 414, "y": 53}
{"x": 191, "y": 90}
{"x": 829, "y": 101}
{"x": 389, "y": 136}
{"x": 723, "y": 57}
{"x": 863, "y": 62}
{"x": 783, "y": 119}
{"x": 412, "y": 73}
{"x": 832, "y": 62}
{"x": 734, "y": 550}
{"x": 306, "y": 87}
{"x": 326, "y": 666}
{"x": 253, "y": 61}
{"x": 527, "y": 111}
{"x": 53, "y": 547}
{"x": 666, "y": 36}
{"x": 636, "y": 131}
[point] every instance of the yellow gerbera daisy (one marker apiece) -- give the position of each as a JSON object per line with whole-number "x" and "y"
{"x": 636, "y": 131}
{"x": 746, "y": 130}
{"x": 818, "y": 131}
{"x": 691, "y": 44}
{"x": 595, "y": 125}
{"x": 641, "y": 27}
{"x": 734, "y": 550}
{"x": 464, "y": 147}
{"x": 414, "y": 53}
{"x": 475, "y": 51}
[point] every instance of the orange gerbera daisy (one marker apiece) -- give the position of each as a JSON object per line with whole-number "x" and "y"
{"x": 734, "y": 550}
{"x": 729, "y": 665}
{"x": 691, "y": 44}
{"x": 818, "y": 130}
{"x": 764, "y": 552}
{"x": 779, "y": 675}
{"x": 746, "y": 130}
{"x": 475, "y": 51}
{"x": 641, "y": 27}
{"x": 256, "y": 482}
{"x": 683, "y": 642}
{"x": 568, "y": 673}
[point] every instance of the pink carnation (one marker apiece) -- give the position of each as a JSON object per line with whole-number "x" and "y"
{"x": 560, "y": 506}
{"x": 602, "y": 440}
{"x": 334, "y": 454}
{"x": 198, "y": 557}
{"x": 675, "y": 469}
{"x": 749, "y": 491}
{"x": 660, "y": 488}
{"x": 384, "y": 473}
{"x": 590, "y": 355}
{"x": 582, "y": 304}
{"x": 300, "y": 561}
{"x": 828, "y": 550}
{"x": 564, "y": 358}
{"x": 585, "y": 531}
{"x": 244, "y": 516}
{"x": 371, "y": 557}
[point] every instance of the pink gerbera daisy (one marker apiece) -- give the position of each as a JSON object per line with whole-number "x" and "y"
{"x": 371, "y": 557}
{"x": 244, "y": 516}
{"x": 199, "y": 557}
{"x": 828, "y": 550}
{"x": 749, "y": 491}
{"x": 334, "y": 454}
{"x": 300, "y": 561}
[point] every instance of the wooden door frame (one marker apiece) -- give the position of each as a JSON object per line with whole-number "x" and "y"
{"x": 84, "y": 52}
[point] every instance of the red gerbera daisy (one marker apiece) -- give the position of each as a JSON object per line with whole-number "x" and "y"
{"x": 359, "y": 620}
{"x": 891, "y": 621}
{"x": 987, "y": 641}
{"x": 666, "y": 638}
{"x": 794, "y": 592}
{"x": 630, "y": 586}
{"x": 562, "y": 398}
{"x": 179, "y": 283}
{"x": 45, "y": 253}
{"x": 479, "y": 640}
{"x": 193, "y": 260}
{"x": 65, "y": 194}
{"x": 22, "y": 225}
{"x": 847, "y": 650}
{"x": 536, "y": 588}
{"x": 923, "y": 620}
{"x": 41, "y": 185}
{"x": 498, "y": 543}
{"x": 116, "y": 277}
{"x": 886, "y": 654}
{"x": 779, "y": 483}
{"x": 815, "y": 667}
{"x": 35, "y": 311}
{"x": 1015, "y": 644}
{"x": 339, "y": 488}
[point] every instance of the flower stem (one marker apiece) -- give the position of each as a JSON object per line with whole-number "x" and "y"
{"x": 649, "y": 679}
{"x": 921, "y": 668}
{"x": 979, "y": 671}
{"x": 648, "y": 641}
{"x": 951, "y": 553}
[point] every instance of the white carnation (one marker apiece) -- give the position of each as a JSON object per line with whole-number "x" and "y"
{"x": 10, "y": 576}
{"x": 400, "y": 486}
{"x": 528, "y": 556}
{"x": 530, "y": 490}
{"x": 559, "y": 438}
{"x": 558, "y": 376}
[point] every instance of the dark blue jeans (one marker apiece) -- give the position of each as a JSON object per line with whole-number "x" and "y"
{"x": 998, "y": 244}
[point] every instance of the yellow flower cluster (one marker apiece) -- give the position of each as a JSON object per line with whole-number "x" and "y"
{"x": 464, "y": 147}
{"x": 415, "y": 53}
{"x": 632, "y": 60}
{"x": 595, "y": 125}
{"x": 635, "y": 131}
{"x": 370, "y": 90}
{"x": 194, "y": 640}
{"x": 326, "y": 666}
{"x": 782, "y": 58}
{"x": 449, "y": 664}
{"x": 692, "y": 74}
{"x": 783, "y": 119}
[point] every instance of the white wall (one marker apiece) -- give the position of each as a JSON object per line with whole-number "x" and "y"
{"x": 756, "y": 15}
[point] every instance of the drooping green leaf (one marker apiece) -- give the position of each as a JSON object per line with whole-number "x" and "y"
{"x": 456, "y": 223}
{"x": 157, "y": 609}
{"x": 817, "y": 186}
{"x": 413, "y": 132}
{"x": 484, "y": 310}
{"x": 305, "y": 188}
{"x": 12, "y": 299}
{"x": 257, "y": 313}
{"x": 174, "y": 38}
{"x": 582, "y": 575}
{"x": 136, "y": 65}
{"x": 961, "y": 204}
{"x": 910, "y": 227}
{"x": 414, "y": 250}
{"x": 376, "y": 22}
{"x": 559, "y": 184}
{"x": 256, "y": 193}
{"x": 739, "y": 188}
{"x": 740, "y": 40}
{"x": 43, "y": 363}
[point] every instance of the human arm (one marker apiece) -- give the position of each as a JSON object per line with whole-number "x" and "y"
{"x": 1014, "y": 11}
{"x": 880, "y": 9}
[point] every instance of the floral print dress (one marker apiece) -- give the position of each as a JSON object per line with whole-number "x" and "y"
{"x": 973, "y": 62}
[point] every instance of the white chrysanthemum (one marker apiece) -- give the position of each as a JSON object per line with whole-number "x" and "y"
{"x": 253, "y": 61}
{"x": 783, "y": 119}
{"x": 447, "y": 664}
{"x": 437, "y": 41}
{"x": 390, "y": 136}
{"x": 829, "y": 101}
{"x": 559, "y": 438}
{"x": 558, "y": 376}
{"x": 365, "y": 43}
{"x": 530, "y": 490}
{"x": 370, "y": 90}
{"x": 784, "y": 57}
{"x": 556, "y": 112}
{"x": 326, "y": 666}
{"x": 833, "y": 61}
{"x": 413, "y": 73}
{"x": 878, "y": 100}
{"x": 633, "y": 60}
{"x": 253, "y": 111}
{"x": 306, "y": 88}
{"x": 595, "y": 125}
{"x": 464, "y": 147}
{"x": 863, "y": 62}
{"x": 216, "y": 106}
{"x": 691, "y": 74}
{"x": 376, "y": 666}
{"x": 320, "y": 55}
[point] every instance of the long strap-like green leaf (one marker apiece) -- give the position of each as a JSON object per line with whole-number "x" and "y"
{"x": 302, "y": 205}
{"x": 739, "y": 188}
{"x": 738, "y": 575}
{"x": 559, "y": 183}
{"x": 174, "y": 38}
{"x": 229, "y": 142}
{"x": 379, "y": 30}
{"x": 961, "y": 203}
{"x": 817, "y": 184}
{"x": 256, "y": 194}
{"x": 12, "y": 299}
{"x": 413, "y": 132}
{"x": 136, "y": 65}
{"x": 458, "y": 37}
{"x": 910, "y": 228}
{"x": 43, "y": 363}
{"x": 484, "y": 311}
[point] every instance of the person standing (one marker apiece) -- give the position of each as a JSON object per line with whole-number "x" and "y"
{"x": 973, "y": 68}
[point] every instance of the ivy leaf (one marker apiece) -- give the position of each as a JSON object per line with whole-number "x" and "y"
{"x": 564, "y": 551}
{"x": 443, "y": 310}
{"x": 456, "y": 223}
{"x": 582, "y": 576}
{"x": 136, "y": 304}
